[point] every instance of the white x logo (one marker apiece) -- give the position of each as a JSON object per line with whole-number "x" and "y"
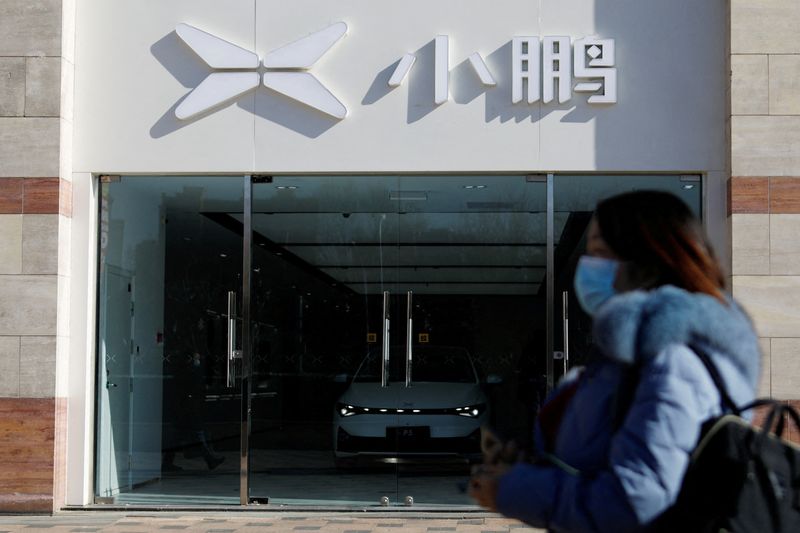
{"x": 284, "y": 71}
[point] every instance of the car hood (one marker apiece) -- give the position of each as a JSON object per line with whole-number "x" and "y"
{"x": 417, "y": 396}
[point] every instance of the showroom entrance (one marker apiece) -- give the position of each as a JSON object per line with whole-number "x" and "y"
{"x": 332, "y": 340}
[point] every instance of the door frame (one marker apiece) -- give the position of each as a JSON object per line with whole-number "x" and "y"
{"x": 246, "y": 384}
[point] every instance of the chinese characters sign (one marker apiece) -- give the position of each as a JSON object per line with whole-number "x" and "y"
{"x": 542, "y": 69}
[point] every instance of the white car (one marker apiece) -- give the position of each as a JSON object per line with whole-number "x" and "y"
{"x": 440, "y": 412}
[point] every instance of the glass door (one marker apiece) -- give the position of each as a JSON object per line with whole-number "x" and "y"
{"x": 391, "y": 318}
{"x": 324, "y": 318}
{"x": 474, "y": 266}
{"x": 169, "y": 348}
{"x": 575, "y": 198}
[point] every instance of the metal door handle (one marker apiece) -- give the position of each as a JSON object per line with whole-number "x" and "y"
{"x": 232, "y": 352}
{"x": 385, "y": 350}
{"x": 409, "y": 338}
{"x": 565, "y": 318}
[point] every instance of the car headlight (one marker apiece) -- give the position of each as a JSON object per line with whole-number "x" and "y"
{"x": 345, "y": 410}
{"x": 471, "y": 411}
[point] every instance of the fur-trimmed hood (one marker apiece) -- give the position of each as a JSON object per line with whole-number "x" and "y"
{"x": 635, "y": 326}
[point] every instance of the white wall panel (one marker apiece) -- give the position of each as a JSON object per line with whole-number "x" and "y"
{"x": 133, "y": 70}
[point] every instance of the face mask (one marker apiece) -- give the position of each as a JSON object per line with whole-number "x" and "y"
{"x": 594, "y": 282}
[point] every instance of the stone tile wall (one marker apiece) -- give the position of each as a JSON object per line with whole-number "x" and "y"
{"x": 765, "y": 187}
{"x": 27, "y": 436}
{"x": 35, "y": 206}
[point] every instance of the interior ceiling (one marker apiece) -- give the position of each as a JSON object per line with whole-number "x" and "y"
{"x": 430, "y": 234}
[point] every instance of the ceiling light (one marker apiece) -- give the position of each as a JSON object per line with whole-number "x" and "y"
{"x": 286, "y": 187}
{"x": 469, "y": 187}
{"x": 688, "y": 186}
{"x": 223, "y": 255}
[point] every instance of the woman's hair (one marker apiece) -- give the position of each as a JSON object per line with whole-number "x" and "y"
{"x": 662, "y": 240}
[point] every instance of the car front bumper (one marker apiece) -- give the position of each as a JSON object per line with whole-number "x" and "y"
{"x": 404, "y": 436}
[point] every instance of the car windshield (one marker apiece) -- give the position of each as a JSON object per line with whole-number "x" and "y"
{"x": 442, "y": 364}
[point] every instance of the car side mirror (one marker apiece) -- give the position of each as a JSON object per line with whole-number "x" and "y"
{"x": 340, "y": 378}
{"x": 493, "y": 379}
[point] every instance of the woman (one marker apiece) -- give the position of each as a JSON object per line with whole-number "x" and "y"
{"x": 617, "y": 435}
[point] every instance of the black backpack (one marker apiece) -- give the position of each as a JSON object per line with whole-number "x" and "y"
{"x": 740, "y": 478}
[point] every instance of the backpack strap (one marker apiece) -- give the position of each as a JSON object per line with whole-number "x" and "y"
{"x": 726, "y": 402}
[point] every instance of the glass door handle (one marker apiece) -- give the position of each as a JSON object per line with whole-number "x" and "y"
{"x": 565, "y": 319}
{"x": 385, "y": 348}
{"x": 409, "y": 338}
{"x": 233, "y": 354}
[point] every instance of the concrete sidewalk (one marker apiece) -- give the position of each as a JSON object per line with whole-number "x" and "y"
{"x": 234, "y": 522}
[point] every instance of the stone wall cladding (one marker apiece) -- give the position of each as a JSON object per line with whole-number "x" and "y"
{"x": 34, "y": 198}
{"x": 791, "y": 432}
{"x": 27, "y": 437}
{"x": 765, "y": 188}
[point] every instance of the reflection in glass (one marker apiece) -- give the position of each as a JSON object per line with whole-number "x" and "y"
{"x": 575, "y": 198}
{"x": 167, "y": 425}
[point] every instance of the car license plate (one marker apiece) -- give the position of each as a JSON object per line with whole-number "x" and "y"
{"x": 408, "y": 432}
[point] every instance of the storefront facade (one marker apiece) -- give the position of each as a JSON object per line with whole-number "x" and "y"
{"x": 258, "y": 204}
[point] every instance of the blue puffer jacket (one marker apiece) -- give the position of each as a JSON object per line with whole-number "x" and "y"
{"x": 625, "y": 478}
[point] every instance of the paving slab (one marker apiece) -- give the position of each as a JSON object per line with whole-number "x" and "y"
{"x": 242, "y": 522}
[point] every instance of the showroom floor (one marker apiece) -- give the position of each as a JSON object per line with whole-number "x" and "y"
{"x": 306, "y": 480}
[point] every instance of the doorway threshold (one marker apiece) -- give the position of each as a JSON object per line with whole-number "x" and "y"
{"x": 376, "y": 511}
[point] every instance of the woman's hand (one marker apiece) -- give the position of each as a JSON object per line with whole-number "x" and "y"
{"x": 484, "y": 483}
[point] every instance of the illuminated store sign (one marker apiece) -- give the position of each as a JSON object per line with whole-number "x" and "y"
{"x": 540, "y": 68}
